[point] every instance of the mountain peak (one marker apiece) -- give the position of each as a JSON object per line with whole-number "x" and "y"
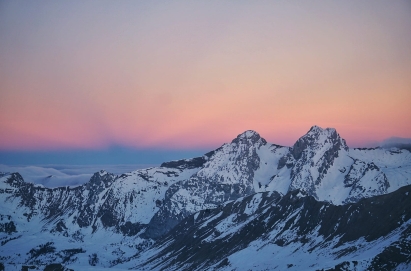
{"x": 101, "y": 179}
{"x": 315, "y": 129}
{"x": 316, "y": 132}
{"x": 318, "y": 129}
{"x": 102, "y": 172}
{"x": 249, "y": 136}
{"x": 317, "y": 137}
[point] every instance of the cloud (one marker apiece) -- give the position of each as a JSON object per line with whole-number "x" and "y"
{"x": 398, "y": 142}
{"x": 49, "y": 177}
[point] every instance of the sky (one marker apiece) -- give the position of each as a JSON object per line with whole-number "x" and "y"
{"x": 144, "y": 82}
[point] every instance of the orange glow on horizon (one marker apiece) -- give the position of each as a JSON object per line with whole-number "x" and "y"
{"x": 196, "y": 76}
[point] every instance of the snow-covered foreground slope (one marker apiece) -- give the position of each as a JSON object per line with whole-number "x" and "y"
{"x": 267, "y": 231}
{"x": 111, "y": 219}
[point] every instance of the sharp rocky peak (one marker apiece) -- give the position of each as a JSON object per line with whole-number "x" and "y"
{"x": 317, "y": 137}
{"x": 101, "y": 179}
{"x": 318, "y": 130}
{"x": 14, "y": 179}
{"x": 249, "y": 136}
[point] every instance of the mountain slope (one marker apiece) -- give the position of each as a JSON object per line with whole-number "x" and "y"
{"x": 227, "y": 175}
{"x": 293, "y": 232}
{"x": 109, "y": 211}
{"x": 111, "y": 219}
{"x": 320, "y": 164}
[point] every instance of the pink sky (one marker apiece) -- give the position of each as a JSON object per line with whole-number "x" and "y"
{"x": 194, "y": 75}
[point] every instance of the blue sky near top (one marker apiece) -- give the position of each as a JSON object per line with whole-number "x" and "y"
{"x": 111, "y": 156}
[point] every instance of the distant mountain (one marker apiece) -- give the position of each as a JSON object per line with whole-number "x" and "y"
{"x": 132, "y": 219}
{"x": 397, "y": 142}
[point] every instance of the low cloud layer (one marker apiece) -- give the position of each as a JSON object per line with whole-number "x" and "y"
{"x": 65, "y": 175}
{"x": 397, "y": 142}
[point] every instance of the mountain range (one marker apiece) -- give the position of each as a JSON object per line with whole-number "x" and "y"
{"x": 248, "y": 205}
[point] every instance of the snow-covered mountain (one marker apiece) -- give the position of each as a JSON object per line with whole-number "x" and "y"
{"x": 268, "y": 231}
{"x": 123, "y": 220}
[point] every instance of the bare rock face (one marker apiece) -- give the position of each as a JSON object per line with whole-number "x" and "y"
{"x": 316, "y": 138}
{"x": 7, "y": 224}
{"x": 314, "y": 154}
{"x": 227, "y": 175}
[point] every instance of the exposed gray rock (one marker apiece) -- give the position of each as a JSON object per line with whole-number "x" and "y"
{"x": 293, "y": 220}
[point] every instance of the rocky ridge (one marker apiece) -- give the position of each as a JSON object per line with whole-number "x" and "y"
{"x": 270, "y": 226}
{"x": 139, "y": 207}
